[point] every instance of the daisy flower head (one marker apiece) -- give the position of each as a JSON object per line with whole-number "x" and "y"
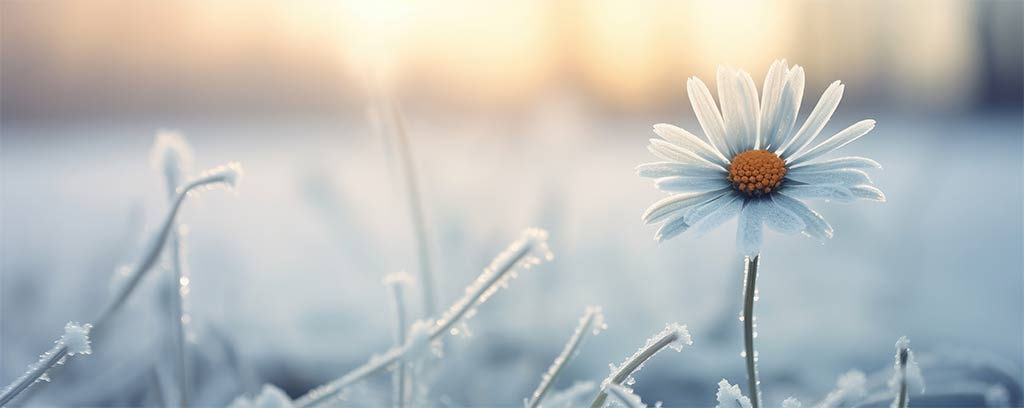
{"x": 755, "y": 163}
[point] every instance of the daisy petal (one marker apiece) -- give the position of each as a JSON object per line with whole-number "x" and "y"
{"x": 671, "y": 228}
{"x": 750, "y": 230}
{"x": 687, "y": 140}
{"x": 815, "y": 225}
{"x": 868, "y": 192}
{"x": 669, "y": 169}
{"x": 771, "y": 101}
{"x": 697, "y": 213}
{"x": 840, "y": 163}
{"x": 666, "y": 206}
{"x": 671, "y": 152}
{"x": 720, "y": 216}
{"x": 844, "y": 177}
{"x": 824, "y": 192}
{"x": 738, "y": 95}
{"x": 687, "y": 184}
{"x": 780, "y": 219}
{"x": 789, "y": 105}
{"x": 708, "y": 115}
{"x": 816, "y": 121}
{"x": 841, "y": 139}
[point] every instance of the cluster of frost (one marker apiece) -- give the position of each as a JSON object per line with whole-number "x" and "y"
{"x": 269, "y": 397}
{"x": 226, "y": 175}
{"x": 530, "y": 249}
{"x": 418, "y": 344}
{"x": 914, "y": 378}
{"x": 791, "y": 403}
{"x": 76, "y": 338}
{"x": 730, "y": 396}
{"x": 850, "y": 387}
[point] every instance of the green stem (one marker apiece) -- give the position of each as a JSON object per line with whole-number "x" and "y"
{"x": 749, "y": 294}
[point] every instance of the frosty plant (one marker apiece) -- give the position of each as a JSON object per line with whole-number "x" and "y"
{"x": 592, "y": 321}
{"x": 674, "y": 336}
{"x": 172, "y": 157}
{"x": 904, "y": 370}
{"x": 76, "y": 339}
{"x": 754, "y": 166}
{"x": 530, "y": 249}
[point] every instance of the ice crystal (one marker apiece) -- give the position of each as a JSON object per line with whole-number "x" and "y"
{"x": 730, "y": 396}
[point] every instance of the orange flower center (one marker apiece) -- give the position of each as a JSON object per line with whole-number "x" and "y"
{"x": 756, "y": 172}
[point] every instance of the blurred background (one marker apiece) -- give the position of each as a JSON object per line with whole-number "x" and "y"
{"x": 518, "y": 114}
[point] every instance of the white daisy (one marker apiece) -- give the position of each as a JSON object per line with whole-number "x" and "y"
{"x": 755, "y": 163}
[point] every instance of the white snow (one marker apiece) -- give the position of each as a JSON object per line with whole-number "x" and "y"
{"x": 730, "y": 396}
{"x": 76, "y": 338}
{"x": 269, "y": 397}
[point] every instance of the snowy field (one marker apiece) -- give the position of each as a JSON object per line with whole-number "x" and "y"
{"x": 286, "y": 276}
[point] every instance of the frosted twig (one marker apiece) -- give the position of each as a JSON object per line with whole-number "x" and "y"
{"x": 530, "y": 249}
{"x": 674, "y": 335}
{"x": 592, "y": 321}
{"x": 749, "y": 297}
{"x": 74, "y": 341}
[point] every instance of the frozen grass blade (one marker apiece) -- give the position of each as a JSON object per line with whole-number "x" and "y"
{"x": 226, "y": 175}
{"x": 427, "y": 282}
{"x": 172, "y": 156}
{"x": 749, "y": 297}
{"x": 625, "y": 396}
{"x": 593, "y": 321}
{"x": 674, "y": 336}
{"x": 74, "y": 341}
{"x": 396, "y": 283}
{"x": 530, "y": 249}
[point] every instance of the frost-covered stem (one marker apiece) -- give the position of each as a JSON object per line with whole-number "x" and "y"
{"x": 567, "y": 353}
{"x": 398, "y": 377}
{"x": 155, "y": 248}
{"x": 749, "y": 295}
{"x": 630, "y": 366}
{"x": 417, "y": 213}
{"x": 901, "y": 399}
{"x": 472, "y": 298}
{"x": 177, "y": 317}
{"x": 485, "y": 285}
{"x": 625, "y": 397}
{"x": 22, "y": 383}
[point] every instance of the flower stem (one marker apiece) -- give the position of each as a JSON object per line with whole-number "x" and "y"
{"x": 749, "y": 296}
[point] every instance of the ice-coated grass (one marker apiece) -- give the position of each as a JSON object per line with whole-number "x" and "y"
{"x": 730, "y": 396}
{"x": 530, "y": 249}
{"x": 74, "y": 341}
{"x": 592, "y": 321}
{"x": 674, "y": 336}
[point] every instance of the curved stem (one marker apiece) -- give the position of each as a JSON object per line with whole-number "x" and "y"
{"x": 567, "y": 353}
{"x": 633, "y": 364}
{"x": 749, "y": 294}
{"x": 37, "y": 370}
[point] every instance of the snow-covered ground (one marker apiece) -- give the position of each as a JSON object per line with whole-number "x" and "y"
{"x": 286, "y": 276}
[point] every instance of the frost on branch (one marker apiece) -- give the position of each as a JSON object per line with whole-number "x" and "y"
{"x": 673, "y": 336}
